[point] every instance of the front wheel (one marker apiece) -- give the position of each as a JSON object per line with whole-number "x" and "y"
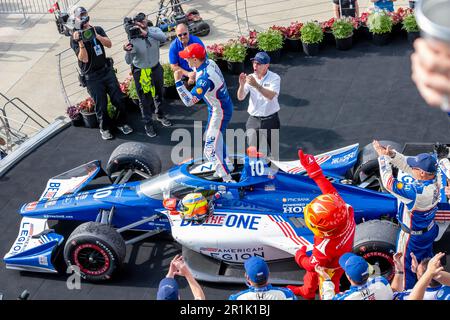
{"x": 95, "y": 251}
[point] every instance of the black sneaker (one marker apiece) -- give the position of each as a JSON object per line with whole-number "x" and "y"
{"x": 126, "y": 129}
{"x": 150, "y": 131}
{"x": 106, "y": 134}
{"x": 164, "y": 121}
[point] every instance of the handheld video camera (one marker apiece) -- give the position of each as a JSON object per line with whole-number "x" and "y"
{"x": 133, "y": 31}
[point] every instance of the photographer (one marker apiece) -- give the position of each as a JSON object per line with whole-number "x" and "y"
{"x": 97, "y": 73}
{"x": 142, "y": 53}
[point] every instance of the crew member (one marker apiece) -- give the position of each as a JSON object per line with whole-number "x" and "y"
{"x": 349, "y": 8}
{"x": 210, "y": 86}
{"x": 263, "y": 107}
{"x": 259, "y": 288}
{"x": 183, "y": 39}
{"x": 333, "y": 224}
{"x": 142, "y": 54}
{"x": 419, "y": 196}
{"x": 97, "y": 73}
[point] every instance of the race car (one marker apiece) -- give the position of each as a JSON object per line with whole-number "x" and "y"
{"x": 259, "y": 215}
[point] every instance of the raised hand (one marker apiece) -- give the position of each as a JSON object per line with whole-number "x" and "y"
{"x": 309, "y": 163}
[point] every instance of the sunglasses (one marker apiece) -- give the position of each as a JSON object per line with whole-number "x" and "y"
{"x": 182, "y": 35}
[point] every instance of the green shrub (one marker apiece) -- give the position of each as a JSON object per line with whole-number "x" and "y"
{"x": 379, "y": 23}
{"x": 234, "y": 52}
{"x": 342, "y": 29}
{"x": 132, "y": 92}
{"x": 311, "y": 33}
{"x": 270, "y": 40}
{"x": 169, "y": 79}
{"x": 410, "y": 24}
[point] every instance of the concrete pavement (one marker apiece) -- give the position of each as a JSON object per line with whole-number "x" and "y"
{"x": 28, "y": 61}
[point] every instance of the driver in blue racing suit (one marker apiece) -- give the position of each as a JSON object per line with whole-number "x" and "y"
{"x": 210, "y": 86}
{"x": 418, "y": 203}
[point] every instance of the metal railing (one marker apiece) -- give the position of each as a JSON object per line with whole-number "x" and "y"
{"x": 32, "y": 6}
{"x": 18, "y": 122}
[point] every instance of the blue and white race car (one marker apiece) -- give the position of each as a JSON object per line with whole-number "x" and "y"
{"x": 260, "y": 215}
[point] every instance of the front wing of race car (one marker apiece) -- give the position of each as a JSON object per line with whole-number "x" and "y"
{"x": 34, "y": 247}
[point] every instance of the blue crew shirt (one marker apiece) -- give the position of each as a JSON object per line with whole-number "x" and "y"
{"x": 176, "y": 46}
{"x": 385, "y": 5}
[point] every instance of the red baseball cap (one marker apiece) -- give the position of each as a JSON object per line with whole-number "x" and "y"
{"x": 194, "y": 50}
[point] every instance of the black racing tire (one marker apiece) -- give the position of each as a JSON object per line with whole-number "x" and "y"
{"x": 376, "y": 241}
{"x": 134, "y": 155}
{"x": 202, "y": 29}
{"x": 97, "y": 250}
{"x": 367, "y": 163}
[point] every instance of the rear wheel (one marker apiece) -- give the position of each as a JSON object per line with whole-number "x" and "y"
{"x": 136, "y": 158}
{"x": 376, "y": 241}
{"x": 96, "y": 251}
{"x": 366, "y": 169}
{"x": 202, "y": 29}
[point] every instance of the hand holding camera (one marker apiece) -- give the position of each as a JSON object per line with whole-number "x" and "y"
{"x": 128, "y": 47}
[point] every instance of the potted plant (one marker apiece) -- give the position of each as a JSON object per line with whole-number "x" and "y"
{"x": 74, "y": 114}
{"x": 327, "y": 31}
{"x": 234, "y": 53}
{"x": 292, "y": 36}
{"x": 411, "y": 27}
{"x": 132, "y": 92}
{"x": 380, "y": 25}
{"x": 251, "y": 43}
{"x": 215, "y": 52}
{"x": 312, "y": 36}
{"x": 343, "y": 33}
{"x": 87, "y": 110}
{"x": 397, "y": 19}
{"x": 170, "y": 91}
{"x": 362, "y": 30}
{"x": 271, "y": 41}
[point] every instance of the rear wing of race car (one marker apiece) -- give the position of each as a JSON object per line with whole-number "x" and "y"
{"x": 34, "y": 247}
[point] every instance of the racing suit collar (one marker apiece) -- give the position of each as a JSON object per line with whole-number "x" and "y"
{"x": 261, "y": 289}
{"x": 203, "y": 65}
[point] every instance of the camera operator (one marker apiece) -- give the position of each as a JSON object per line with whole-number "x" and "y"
{"x": 97, "y": 73}
{"x": 142, "y": 53}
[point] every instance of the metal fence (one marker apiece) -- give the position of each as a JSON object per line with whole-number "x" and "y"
{"x": 32, "y": 6}
{"x": 18, "y": 122}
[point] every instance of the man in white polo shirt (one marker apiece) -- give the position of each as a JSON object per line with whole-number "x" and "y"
{"x": 264, "y": 88}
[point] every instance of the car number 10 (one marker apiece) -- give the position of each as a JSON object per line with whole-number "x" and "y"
{"x": 257, "y": 168}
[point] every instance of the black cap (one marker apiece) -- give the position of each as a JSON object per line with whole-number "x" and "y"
{"x": 140, "y": 17}
{"x": 79, "y": 11}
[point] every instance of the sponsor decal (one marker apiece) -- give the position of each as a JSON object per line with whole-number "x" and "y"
{"x": 26, "y": 230}
{"x": 195, "y": 100}
{"x": 343, "y": 159}
{"x": 269, "y": 187}
{"x": 236, "y": 221}
{"x": 67, "y": 200}
{"x": 399, "y": 185}
{"x": 31, "y": 206}
{"x": 81, "y": 196}
{"x": 52, "y": 190}
{"x": 199, "y": 90}
{"x": 43, "y": 261}
{"x": 293, "y": 208}
{"x": 50, "y": 203}
{"x": 294, "y": 205}
{"x": 202, "y": 83}
{"x": 233, "y": 254}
